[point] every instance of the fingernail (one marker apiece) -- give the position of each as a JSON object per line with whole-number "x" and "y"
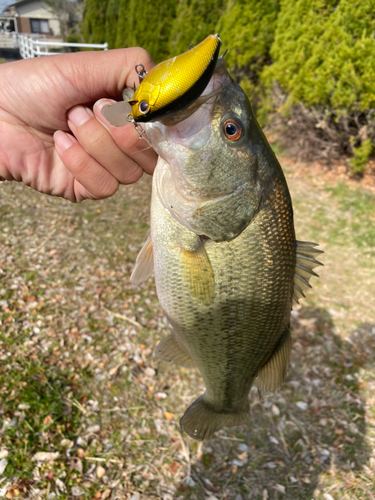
{"x": 80, "y": 115}
{"x": 63, "y": 141}
{"x": 102, "y": 102}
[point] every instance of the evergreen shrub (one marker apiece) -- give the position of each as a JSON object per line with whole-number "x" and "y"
{"x": 324, "y": 59}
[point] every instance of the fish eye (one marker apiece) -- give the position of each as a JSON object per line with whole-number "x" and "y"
{"x": 232, "y": 130}
{"x": 144, "y": 107}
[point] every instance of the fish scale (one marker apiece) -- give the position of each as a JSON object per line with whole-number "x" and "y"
{"x": 226, "y": 260}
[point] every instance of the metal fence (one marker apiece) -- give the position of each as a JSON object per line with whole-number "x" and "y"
{"x": 38, "y": 45}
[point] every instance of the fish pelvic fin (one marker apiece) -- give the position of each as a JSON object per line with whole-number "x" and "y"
{"x": 305, "y": 263}
{"x": 271, "y": 376}
{"x": 171, "y": 351}
{"x": 198, "y": 274}
{"x": 144, "y": 265}
{"x": 201, "y": 420}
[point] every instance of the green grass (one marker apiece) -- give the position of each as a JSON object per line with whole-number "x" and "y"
{"x": 77, "y": 374}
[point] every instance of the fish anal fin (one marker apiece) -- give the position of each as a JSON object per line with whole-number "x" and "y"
{"x": 201, "y": 420}
{"x": 271, "y": 376}
{"x": 144, "y": 264}
{"x": 171, "y": 351}
{"x": 198, "y": 275}
{"x": 305, "y": 263}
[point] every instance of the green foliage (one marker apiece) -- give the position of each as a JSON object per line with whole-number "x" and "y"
{"x": 111, "y": 21}
{"x": 93, "y": 28}
{"x": 324, "y": 54}
{"x": 361, "y": 156}
{"x": 195, "y": 20}
{"x": 145, "y": 24}
{"x": 315, "y": 55}
{"x": 74, "y": 38}
{"x": 247, "y": 28}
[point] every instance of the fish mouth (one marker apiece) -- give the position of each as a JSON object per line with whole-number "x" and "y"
{"x": 191, "y": 127}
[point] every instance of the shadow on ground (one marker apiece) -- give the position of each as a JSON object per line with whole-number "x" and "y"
{"x": 309, "y": 436}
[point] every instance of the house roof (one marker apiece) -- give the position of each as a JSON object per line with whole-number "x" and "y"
{"x": 20, "y": 2}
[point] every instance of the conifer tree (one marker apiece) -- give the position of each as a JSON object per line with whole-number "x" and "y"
{"x": 125, "y": 23}
{"x": 93, "y": 28}
{"x": 111, "y": 21}
{"x": 146, "y": 24}
{"x": 195, "y": 20}
{"x": 247, "y": 29}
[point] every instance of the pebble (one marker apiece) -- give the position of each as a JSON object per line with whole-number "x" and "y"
{"x": 23, "y": 406}
{"x": 136, "y": 496}
{"x": 45, "y": 456}
{"x": 3, "y": 453}
{"x": 271, "y": 465}
{"x": 81, "y": 442}
{"x": 150, "y": 372}
{"x": 93, "y": 429}
{"x": 243, "y": 447}
{"x": 275, "y": 410}
{"x": 100, "y": 471}
{"x": 160, "y": 395}
{"x": 76, "y": 491}
{"x": 302, "y": 405}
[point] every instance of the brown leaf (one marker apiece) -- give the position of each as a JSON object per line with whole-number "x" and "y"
{"x": 106, "y": 494}
{"x": 168, "y": 415}
{"x": 100, "y": 471}
{"x": 48, "y": 420}
{"x": 174, "y": 466}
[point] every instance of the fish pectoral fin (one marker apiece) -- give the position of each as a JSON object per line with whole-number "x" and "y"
{"x": 198, "y": 275}
{"x": 144, "y": 264}
{"x": 201, "y": 420}
{"x": 271, "y": 376}
{"x": 171, "y": 351}
{"x": 305, "y": 263}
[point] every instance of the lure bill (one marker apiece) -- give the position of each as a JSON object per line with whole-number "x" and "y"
{"x": 172, "y": 85}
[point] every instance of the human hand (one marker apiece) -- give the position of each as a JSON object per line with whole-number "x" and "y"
{"x": 42, "y": 99}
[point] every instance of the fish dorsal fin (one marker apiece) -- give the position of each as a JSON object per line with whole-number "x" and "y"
{"x": 144, "y": 265}
{"x": 172, "y": 351}
{"x": 198, "y": 275}
{"x": 305, "y": 263}
{"x": 271, "y": 376}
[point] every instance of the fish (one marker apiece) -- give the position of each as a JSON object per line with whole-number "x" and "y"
{"x": 173, "y": 85}
{"x": 222, "y": 246}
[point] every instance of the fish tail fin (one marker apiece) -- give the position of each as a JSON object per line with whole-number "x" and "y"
{"x": 201, "y": 420}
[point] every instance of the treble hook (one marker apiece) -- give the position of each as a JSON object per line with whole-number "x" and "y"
{"x": 141, "y": 131}
{"x": 140, "y": 72}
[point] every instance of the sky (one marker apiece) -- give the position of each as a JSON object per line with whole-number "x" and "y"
{"x": 4, "y": 3}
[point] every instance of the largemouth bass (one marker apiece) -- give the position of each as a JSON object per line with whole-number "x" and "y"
{"x": 223, "y": 247}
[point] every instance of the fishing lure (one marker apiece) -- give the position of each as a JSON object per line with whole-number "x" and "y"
{"x": 172, "y": 85}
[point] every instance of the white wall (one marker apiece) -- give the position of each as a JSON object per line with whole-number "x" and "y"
{"x": 38, "y": 10}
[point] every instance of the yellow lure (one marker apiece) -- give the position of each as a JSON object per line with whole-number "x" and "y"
{"x": 172, "y": 85}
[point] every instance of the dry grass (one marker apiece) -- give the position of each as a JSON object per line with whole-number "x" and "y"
{"x": 78, "y": 381}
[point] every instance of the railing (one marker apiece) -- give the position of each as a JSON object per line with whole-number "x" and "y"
{"x": 37, "y": 45}
{"x": 8, "y": 40}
